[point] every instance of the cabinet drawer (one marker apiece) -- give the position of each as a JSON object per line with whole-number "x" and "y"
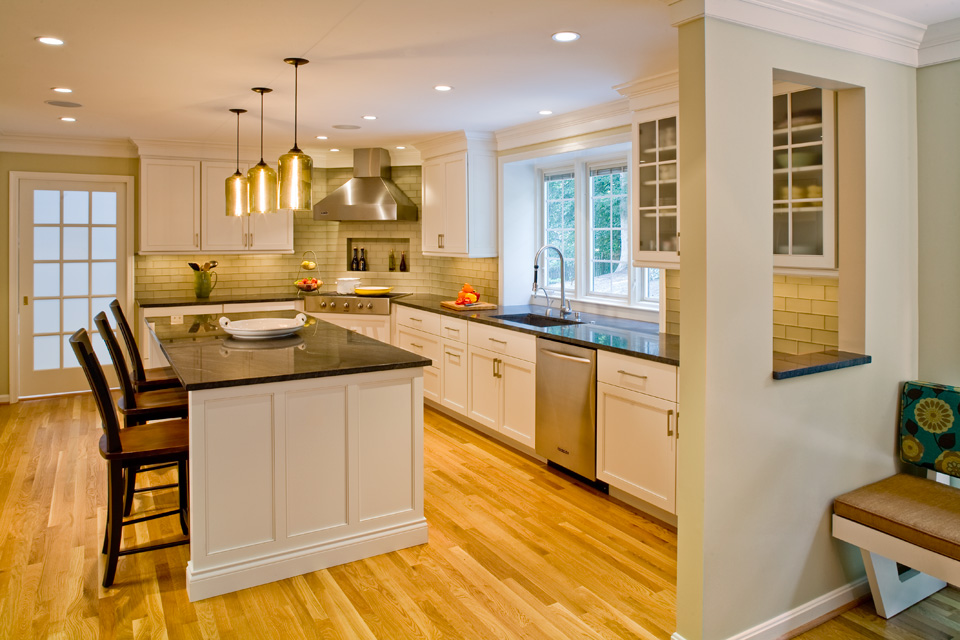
{"x": 453, "y": 328}
{"x": 420, "y": 343}
{"x": 513, "y": 343}
{"x": 646, "y": 376}
{"x": 281, "y": 305}
{"x": 417, "y": 319}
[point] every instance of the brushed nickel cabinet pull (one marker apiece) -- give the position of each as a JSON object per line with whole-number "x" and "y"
{"x": 676, "y": 427}
{"x": 634, "y": 375}
{"x": 453, "y": 355}
{"x": 418, "y": 346}
{"x": 669, "y": 415}
{"x": 196, "y": 240}
{"x": 503, "y": 342}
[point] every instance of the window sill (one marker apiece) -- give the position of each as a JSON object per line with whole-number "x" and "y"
{"x": 644, "y": 312}
{"x": 791, "y": 366}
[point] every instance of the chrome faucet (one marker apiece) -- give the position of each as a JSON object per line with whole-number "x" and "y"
{"x": 547, "y": 296}
{"x": 564, "y": 305}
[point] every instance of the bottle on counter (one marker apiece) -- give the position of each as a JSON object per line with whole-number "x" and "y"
{"x": 403, "y": 261}
{"x": 355, "y": 263}
{"x": 392, "y": 262}
{"x": 363, "y": 259}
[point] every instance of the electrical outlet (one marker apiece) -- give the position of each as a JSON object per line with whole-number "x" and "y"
{"x": 176, "y": 319}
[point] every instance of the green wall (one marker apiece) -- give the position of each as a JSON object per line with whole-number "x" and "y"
{"x": 46, "y": 163}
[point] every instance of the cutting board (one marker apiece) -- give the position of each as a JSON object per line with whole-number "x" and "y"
{"x": 476, "y": 306}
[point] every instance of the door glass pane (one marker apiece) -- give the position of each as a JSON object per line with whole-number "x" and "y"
{"x": 668, "y": 230}
{"x": 653, "y": 283}
{"x": 101, "y": 304}
{"x": 781, "y": 230}
{"x": 46, "y": 316}
{"x": 76, "y": 314}
{"x": 46, "y": 280}
{"x": 104, "y": 243}
{"x": 76, "y": 207}
{"x": 76, "y": 278}
{"x": 808, "y": 231}
{"x": 668, "y": 139}
{"x": 104, "y": 207}
{"x": 75, "y": 243}
{"x": 69, "y": 357}
{"x": 46, "y": 243}
{"x": 46, "y": 207}
{"x": 46, "y": 352}
{"x": 104, "y": 278}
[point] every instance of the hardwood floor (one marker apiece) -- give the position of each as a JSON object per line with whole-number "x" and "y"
{"x": 516, "y": 550}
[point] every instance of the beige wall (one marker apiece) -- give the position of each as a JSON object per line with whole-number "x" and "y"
{"x": 48, "y": 164}
{"x": 168, "y": 276}
{"x": 761, "y": 460}
{"x": 938, "y": 125}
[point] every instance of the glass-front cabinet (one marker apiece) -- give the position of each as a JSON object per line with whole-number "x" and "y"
{"x": 656, "y": 228}
{"x": 804, "y": 214}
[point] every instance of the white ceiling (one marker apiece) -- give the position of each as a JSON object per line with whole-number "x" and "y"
{"x": 171, "y": 70}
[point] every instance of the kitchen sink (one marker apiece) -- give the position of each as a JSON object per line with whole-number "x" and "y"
{"x": 536, "y": 320}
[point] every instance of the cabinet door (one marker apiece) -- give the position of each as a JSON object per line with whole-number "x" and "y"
{"x": 656, "y": 228}
{"x": 432, "y": 383}
{"x": 483, "y": 401}
{"x": 270, "y": 231}
{"x": 454, "y": 237}
{"x": 433, "y": 196}
{"x": 519, "y": 388}
{"x": 169, "y": 205}
{"x": 637, "y": 444}
{"x": 220, "y": 232}
{"x": 454, "y": 373}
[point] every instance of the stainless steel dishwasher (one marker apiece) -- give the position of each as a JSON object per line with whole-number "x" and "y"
{"x": 567, "y": 406}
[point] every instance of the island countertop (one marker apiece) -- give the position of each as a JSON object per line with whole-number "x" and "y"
{"x": 204, "y": 356}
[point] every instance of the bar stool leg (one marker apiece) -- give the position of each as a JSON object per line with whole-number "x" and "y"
{"x": 114, "y": 520}
{"x": 131, "y": 485}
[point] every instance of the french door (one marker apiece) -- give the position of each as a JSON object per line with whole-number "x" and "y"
{"x": 72, "y": 263}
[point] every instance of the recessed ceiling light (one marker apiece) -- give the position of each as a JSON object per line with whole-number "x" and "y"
{"x": 565, "y": 36}
{"x": 545, "y": 112}
{"x": 321, "y": 137}
{"x": 401, "y": 148}
{"x": 443, "y": 87}
{"x": 345, "y": 126}
{"x": 369, "y": 117}
{"x": 62, "y": 90}
{"x": 334, "y": 150}
{"x": 49, "y": 40}
{"x": 66, "y": 119}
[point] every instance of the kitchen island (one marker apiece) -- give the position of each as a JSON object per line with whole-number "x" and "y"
{"x": 305, "y": 451}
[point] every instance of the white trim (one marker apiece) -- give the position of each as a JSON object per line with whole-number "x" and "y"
{"x": 13, "y": 215}
{"x": 5, "y": 398}
{"x": 59, "y": 145}
{"x": 151, "y": 148}
{"x": 941, "y": 43}
{"x": 652, "y": 91}
{"x": 676, "y": 636}
{"x": 457, "y": 141}
{"x": 583, "y": 121}
{"x": 835, "y": 23}
{"x": 805, "y": 613}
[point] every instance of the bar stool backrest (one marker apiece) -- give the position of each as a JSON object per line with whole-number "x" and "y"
{"x": 90, "y": 364}
{"x": 139, "y": 375}
{"x": 119, "y": 362}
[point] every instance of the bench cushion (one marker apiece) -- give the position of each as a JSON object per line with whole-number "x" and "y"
{"x": 930, "y": 426}
{"x": 920, "y": 511}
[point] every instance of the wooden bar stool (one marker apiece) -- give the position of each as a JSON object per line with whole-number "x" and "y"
{"x": 137, "y": 408}
{"x": 127, "y": 449}
{"x": 143, "y": 379}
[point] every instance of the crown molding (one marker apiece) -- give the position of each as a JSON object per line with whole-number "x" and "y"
{"x": 941, "y": 43}
{"x": 455, "y": 141}
{"x": 836, "y": 23}
{"x": 566, "y": 125}
{"x": 653, "y": 91}
{"x": 66, "y": 146}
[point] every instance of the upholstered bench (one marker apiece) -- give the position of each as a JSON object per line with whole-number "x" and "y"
{"x": 909, "y": 520}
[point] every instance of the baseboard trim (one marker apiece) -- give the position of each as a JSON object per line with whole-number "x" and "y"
{"x": 5, "y": 398}
{"x": 785, "y": 624}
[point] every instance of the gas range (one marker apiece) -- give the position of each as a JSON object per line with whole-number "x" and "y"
{"x": 350, "y": 303}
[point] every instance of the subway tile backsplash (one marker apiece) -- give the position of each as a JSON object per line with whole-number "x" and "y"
{"x": 169, "y": 276}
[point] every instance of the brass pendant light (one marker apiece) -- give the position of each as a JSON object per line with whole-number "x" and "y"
{"x": 261, "y": 178}
{"x": 236, "y": 185}
{"x": 296, "y": 167}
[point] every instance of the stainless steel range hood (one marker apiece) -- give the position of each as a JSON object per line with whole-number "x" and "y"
{"x": 369, "y": 195}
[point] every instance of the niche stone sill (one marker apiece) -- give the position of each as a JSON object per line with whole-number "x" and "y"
{"x": 786, "y": 365}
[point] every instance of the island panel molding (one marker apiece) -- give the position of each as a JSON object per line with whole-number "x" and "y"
{"x": 333, "y": 483}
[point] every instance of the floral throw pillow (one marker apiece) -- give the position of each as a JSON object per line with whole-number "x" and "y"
{"x": 930, "y": 426}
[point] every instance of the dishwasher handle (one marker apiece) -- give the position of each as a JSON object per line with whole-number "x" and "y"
{"x": 565, "y": 356}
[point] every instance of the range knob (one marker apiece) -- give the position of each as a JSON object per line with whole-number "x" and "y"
{"x": 323, "y": 305}
{"x": 346, "y": 305}
{"x": 369, "y": 305}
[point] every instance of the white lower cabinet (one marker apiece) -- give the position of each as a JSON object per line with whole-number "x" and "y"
{"x": 426, "y": 345}
{"x": 453, "y": 370}
{"x": 503, "y": 394}
{"x": 637, "y": 433}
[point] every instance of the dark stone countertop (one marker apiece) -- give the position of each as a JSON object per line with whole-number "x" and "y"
{"x": 204, "y": 356}
{"x": 629, "y": 337}
{"x": 146, "y": 300}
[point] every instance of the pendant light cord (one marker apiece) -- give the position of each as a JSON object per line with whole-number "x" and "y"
{"x": 261, "y": 125}
{"x": 238, "y": 142}
{"x": 296, "y": 85}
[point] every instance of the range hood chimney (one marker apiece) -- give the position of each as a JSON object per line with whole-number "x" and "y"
{"x": 369, "y": 195}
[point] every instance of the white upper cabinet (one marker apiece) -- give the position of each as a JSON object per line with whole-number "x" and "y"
{"x": 183, "y": 209}
{"x": 656, "y": 222}
{"x": 804, "y": 178}
{"x": 459, "y": 216}
{"x": 169, "y": 205}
